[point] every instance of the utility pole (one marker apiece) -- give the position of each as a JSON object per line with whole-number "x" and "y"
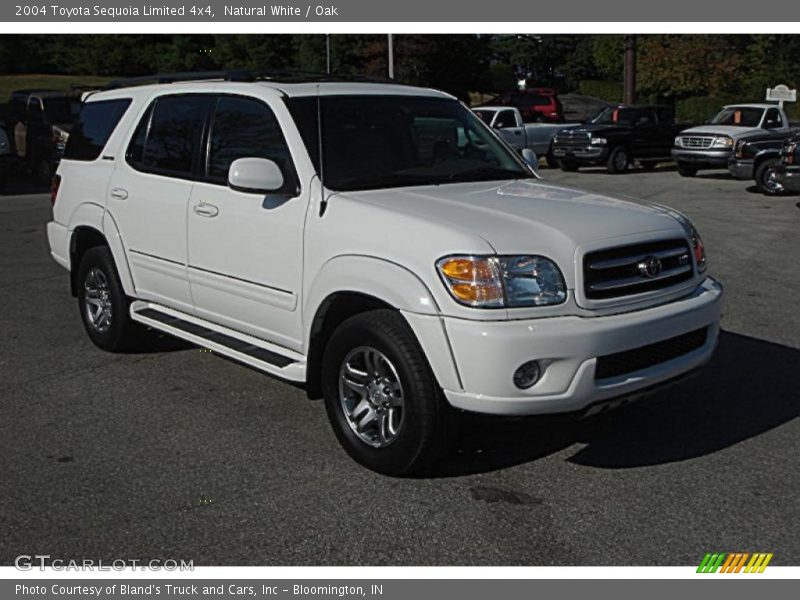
{"x": 390, "y": 43}
{"x": 328, "y": 53}
{"x": 629, "y": 93}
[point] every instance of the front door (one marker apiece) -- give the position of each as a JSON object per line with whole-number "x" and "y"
{"x": 245, "y": 249}
{"x": 506, "y": 124}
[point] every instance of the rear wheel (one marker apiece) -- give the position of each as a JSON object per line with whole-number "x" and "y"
{"x": 43, "y": 171}
{"x": 766, "y": 180}
{"x": 381, "y": 397}
{"x": 618, "y": 160}
{"x": 686, "y": 170}
{"x": 103, "y": 303}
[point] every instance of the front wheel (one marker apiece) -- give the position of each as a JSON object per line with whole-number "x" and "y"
{"x": 686, "y": 170}
{"x": 381, "y": 397}
{"x": 766, "y": 180}
{"x": 569, "y": 165}
{"x": 618, "y": 160}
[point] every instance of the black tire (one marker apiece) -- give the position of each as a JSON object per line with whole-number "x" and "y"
{"x": 648, "y": 165}
{"x": 120, "y": 333}
{"x": 43, "y": 172}
{"x": 552, "y": 161}
{"x": 618, "y": 160}
{"x": 568, "y": 165}
{"x": 686, "y": 170}
{"x": 764, "y": 183}
{"x": 428, "y": 422}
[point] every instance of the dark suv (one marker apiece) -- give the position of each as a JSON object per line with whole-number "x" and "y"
{"x": 616, "y": 137}
{"x": 534, "y": 104}
{"x": 786, "y": 174}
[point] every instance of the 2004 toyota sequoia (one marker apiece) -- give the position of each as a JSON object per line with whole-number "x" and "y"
{"x": 379, "y": 244}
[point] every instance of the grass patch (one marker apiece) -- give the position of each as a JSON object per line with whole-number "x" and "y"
{"x": 9, "y": 83}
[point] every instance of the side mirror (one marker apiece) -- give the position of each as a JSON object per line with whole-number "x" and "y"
{"x": 529, "y": 156}
{"x": 255, "y": 176}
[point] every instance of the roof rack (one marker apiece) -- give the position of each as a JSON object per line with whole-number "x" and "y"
{"x": 282, "y": 76}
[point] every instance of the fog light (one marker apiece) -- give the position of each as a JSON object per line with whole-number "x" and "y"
{"x": 527, "y": 374}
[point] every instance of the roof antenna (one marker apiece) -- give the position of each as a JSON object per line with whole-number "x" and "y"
{"x": 323, "y": 203}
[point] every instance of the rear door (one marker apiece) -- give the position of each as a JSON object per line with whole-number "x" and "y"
{"x": 645, "y": 133}
{"x": 148, "y": 195}
{"x": 246, "y": 249}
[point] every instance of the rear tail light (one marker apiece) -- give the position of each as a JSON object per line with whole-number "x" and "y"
{"x": 55, "y": 183}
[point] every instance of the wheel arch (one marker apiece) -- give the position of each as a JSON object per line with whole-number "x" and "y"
{"x": 90, "y": 226}
{"x": 349, "y": 285}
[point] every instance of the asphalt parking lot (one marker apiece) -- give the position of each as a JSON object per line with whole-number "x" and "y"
{"x": 176, "y": 454}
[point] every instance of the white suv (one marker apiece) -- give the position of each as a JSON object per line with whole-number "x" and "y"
{"x": 377, "y": 243}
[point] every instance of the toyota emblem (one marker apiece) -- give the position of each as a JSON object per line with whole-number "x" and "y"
{"x": 649, "y": 267}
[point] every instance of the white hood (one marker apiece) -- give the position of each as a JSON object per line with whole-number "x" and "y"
{"x": 732, "y": 131}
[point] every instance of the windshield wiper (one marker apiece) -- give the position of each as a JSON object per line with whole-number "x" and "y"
{"x": 487, "y": 174}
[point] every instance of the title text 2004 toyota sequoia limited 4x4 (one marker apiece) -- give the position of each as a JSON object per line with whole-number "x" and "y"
{"x": 379, "y": 244}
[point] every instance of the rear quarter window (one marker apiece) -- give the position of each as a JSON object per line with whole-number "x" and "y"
{"x": 95, "y": 124}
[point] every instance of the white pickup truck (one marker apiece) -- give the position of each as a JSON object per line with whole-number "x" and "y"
{"x": 711, "y": 146}
{"x": 378, "y": 244}
{"x": 538, "y": 137}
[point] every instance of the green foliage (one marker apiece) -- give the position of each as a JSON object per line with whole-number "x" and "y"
{"x": 694, "y": 71}
{"x": 699, "y": 109}
{"x": 611, "y": 91}
{"x": 608, "y": 56}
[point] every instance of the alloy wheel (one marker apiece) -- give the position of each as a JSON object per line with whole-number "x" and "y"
{"x": 97, "y": 300}
{"x": 371, "y": 396}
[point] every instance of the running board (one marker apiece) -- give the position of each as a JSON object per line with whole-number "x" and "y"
{"x": 231, "y": 344}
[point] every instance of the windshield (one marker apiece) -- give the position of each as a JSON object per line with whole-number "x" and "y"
{"x": 372, "y": 142}
{"x": 741, "y": 116}
{"x": 61, "y": 110}
{"x": 613, "y": 115}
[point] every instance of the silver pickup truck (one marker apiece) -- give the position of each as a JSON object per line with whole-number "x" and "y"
{"x": 507, "y": 121}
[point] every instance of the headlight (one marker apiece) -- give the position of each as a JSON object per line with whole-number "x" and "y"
{"x": 722, "y": 142}
{"x": 599, "y": 141}
{"x": 502, "y": 281}
{"x": 698, "y": 249}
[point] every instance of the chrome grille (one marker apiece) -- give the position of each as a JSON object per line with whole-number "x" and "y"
{"x": 700, "y": 142}
{"x": 635, "y": 269}
{"x": 568, "y": 138}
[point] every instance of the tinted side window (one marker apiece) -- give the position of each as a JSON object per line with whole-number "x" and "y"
{"x": 506, "y": 119}
{"x": 94, "y": 126}
{"x": 167, "y": 139}
{"x": 245, "y": 128}
{"x": 774, "y": 115}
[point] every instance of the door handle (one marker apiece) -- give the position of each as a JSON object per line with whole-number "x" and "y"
{"x": 204, "y": 209}
{"x": 119, "y": 194}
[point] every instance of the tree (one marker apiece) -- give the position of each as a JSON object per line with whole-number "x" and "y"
{"x": 689, "y": 65}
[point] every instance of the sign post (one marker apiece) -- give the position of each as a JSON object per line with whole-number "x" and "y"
{"x": 780, "y": 94}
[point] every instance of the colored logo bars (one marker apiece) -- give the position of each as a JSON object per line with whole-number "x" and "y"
{"x": 734, "y": 562}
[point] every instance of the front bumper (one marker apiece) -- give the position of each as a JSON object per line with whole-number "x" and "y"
{"x": 741, "y": 168}
{"x": 582, "y": 154}
{"x": 789, "y": 177}
{"x": 708, "y": 159}
{"x": 488, "y": 353}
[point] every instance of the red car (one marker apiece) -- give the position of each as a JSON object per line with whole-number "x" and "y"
{"x": 534, "y": 104}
